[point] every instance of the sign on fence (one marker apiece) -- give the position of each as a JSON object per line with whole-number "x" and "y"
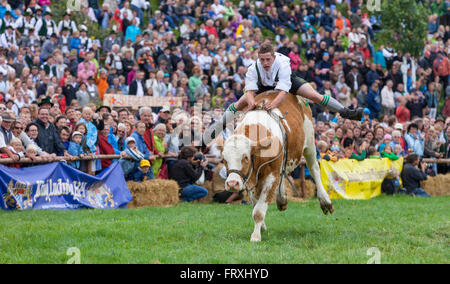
{"x": 116, "y": 100}
{"x": 59, "y": 186}
{"x": 350, "y": 179}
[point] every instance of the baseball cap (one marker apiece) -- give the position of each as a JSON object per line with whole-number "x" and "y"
{"x": 76, "y": 133}
{"x": 7, "y": 117}
{"x": 398, "y": 126}
{"x": 387, "y": 136}
{"x": 165, "y": 109}
{"x": 130, "y": 139}
{"x": 144, "y": 163}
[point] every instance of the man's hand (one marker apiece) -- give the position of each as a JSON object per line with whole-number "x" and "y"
{"x": 276, "y": 102}
{"x": 250, "y": 99}
{"x": 204, "y": 164}
{"x": 423, "y": 166}
{"x": 15, "y": 157}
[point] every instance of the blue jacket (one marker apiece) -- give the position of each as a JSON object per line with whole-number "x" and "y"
{"x": 75, "y": 150}
{"x": 138, "y": 175}
{"x": 379, "y": 59}
{"x": 374, "y": 103}
{"x": 140, "y": 143}
{"x": 417, "y": 144}
{"x": 431, "y": 99}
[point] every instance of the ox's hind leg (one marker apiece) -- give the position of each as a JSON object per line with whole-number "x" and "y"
{"x": 310, "y": 155}
{"x": 260, "y": 208}
{"x": 282, "y": 201}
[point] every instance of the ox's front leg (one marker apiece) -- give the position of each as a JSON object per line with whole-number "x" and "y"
{"x": 313, "y": 166}
{"x": 266, "y": 191}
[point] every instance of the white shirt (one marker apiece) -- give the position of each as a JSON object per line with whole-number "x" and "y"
{"x": 140, "y": 89}
{"x": 280, "y": 66}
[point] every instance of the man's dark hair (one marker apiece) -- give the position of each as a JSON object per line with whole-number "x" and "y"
{"x": 63, "y": 128}
{"x": 27, "y": 128}
{"x": 411, "y": 158}
{"x": 266, "y": 48}
{"x": 348, "y": 142}
{"x": 187, "y": 152}
{"x": 412, "y": 125}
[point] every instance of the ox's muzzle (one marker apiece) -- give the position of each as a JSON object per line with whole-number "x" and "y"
{"x": 234, "y": 183}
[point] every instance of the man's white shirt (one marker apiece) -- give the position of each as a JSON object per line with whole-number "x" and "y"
{"x": 280, "y": 66}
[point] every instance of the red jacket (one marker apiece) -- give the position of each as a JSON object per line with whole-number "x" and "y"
{"x": 212, "y": 31}
{"x": 403, "y": 114}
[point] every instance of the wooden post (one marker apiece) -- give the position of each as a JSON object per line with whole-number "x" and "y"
{"x": 302, "y": 180}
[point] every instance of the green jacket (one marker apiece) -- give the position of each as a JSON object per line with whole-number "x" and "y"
{"x": 390, "y": 156}
{"x": 360, "y": 157}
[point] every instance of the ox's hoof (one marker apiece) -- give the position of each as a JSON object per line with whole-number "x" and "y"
{"x": 255, "y": 238}
{"x": 327, "y": 208}
{"x": 282, "y": 207}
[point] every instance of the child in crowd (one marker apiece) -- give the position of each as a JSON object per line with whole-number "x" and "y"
{"x": 75, "y": 148}
{"x": 387, "y": 153}
{"x": 325, "y": 153}
{"x": 143, "y": 172}
{"x": 16, "y": 147}
{"x": 130, "y": 166}
{"x": 373, "y": 153}
{"x": 386, "y": 141}
{"x": 398, "y": 150}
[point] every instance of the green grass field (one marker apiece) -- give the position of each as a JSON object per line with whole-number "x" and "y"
{"x": 402, "y": 228}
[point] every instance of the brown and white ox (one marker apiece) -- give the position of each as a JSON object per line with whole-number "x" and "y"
{"x": 259, "y": 139}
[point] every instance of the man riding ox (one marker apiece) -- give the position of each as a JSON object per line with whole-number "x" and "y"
{"x": 272, "y": 71}
{"x": 269, "y": 142}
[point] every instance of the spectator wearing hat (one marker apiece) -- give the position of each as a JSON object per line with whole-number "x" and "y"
{"x": 144, "y": 172}
{"x": 67, "y": 23}
{"x": 6, "y": 135}
{"x": 75, "y": 148}
{"x": 8, "y": 38}
{"x": 164, "y": 115}
{"x": 46, "y": 27}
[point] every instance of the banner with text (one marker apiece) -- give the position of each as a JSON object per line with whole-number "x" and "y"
{"x": 116, "y": 100}
{"x": 59, "y": 186}
{"x": 351, "y": 179}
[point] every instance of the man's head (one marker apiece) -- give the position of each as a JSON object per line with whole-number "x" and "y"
{"x": 43, "y": 115}
{"x": 146, "y": 115}
{"x": 266, "y": 55}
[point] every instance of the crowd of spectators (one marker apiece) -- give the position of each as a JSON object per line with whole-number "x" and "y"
{"x": 54, "y": 75}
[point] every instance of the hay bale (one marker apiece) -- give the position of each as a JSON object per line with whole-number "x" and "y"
{"x": 156, "y": 192}
{"x": 218, "y": 183}
{"x": 438, "y": 185}
{"x": 210, "y": 187}
{"x": 310, "y": 188}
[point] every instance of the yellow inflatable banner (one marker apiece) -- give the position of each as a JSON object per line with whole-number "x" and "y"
{"x": 351, "y": 179}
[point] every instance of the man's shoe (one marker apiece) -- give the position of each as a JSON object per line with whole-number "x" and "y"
{"x": 353, "y": 114}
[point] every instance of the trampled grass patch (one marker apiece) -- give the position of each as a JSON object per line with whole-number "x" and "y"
{"x": 399, "y": 229}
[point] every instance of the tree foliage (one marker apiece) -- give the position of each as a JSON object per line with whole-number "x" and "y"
{"x": 404, "y": 25}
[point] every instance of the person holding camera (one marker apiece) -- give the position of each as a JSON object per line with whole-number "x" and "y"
{"x": 412, "y": 174}
{"x": 186, "y": 171}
